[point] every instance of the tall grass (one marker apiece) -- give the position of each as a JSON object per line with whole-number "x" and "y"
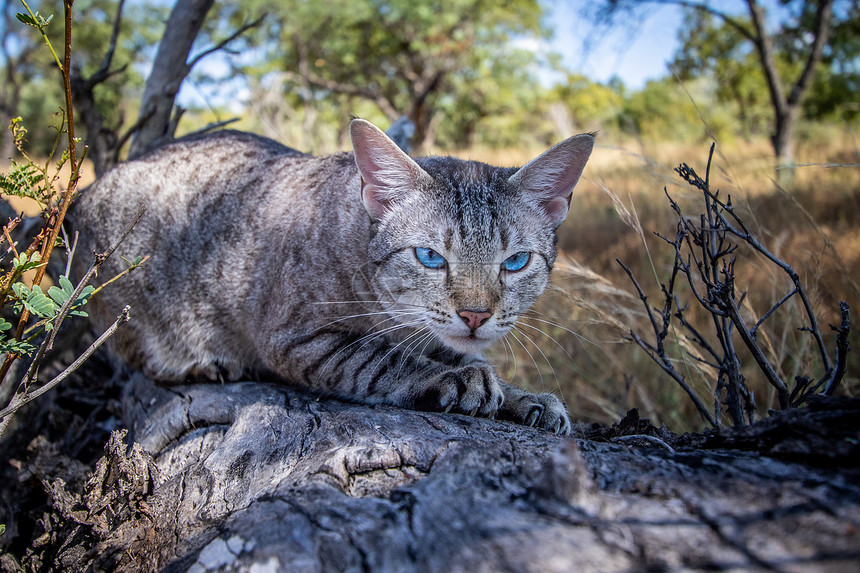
{"x": 813, "y": 224}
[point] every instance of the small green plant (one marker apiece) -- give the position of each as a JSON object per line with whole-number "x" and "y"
{"x": 39, "y": 314}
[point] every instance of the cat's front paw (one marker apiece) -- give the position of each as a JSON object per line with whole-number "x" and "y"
{"x": 544, "y": 411}
{"x": 474, "y": 389}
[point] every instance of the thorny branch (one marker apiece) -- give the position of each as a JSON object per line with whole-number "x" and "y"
{"x": 705, "y": 255}
{"x": 658, "y": 354}
{"x": 99, "y": 260}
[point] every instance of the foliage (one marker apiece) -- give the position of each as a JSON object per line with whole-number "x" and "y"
{"x": 713, "y": 49}
{"x": 39, "y": 314}
{"x": 404, "y": 57}
{"x": 117, "y": 97}
{"x": 591, "y": 105}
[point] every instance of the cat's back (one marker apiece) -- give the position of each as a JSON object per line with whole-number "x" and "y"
{"x": 178, "y": 174}
{"x": 223, "y": 213}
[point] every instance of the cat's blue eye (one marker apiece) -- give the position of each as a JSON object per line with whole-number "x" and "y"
{"x": 517, "y": 262}
{"x": 429, "y": 258}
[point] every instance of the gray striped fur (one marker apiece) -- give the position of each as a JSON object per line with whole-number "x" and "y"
{"x": 266, "y": 260}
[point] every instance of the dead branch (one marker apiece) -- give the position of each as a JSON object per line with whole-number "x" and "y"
{"x": 21, "y": 400}
{"x": 705, "y": 255}
{"x": 226, "y": 41}
{"x": 23, "y": 394}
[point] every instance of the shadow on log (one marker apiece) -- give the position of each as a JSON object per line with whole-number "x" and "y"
{"x": 256, "y": 477}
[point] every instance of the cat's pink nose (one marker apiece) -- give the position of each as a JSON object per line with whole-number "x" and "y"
{"x": 474, "y": 319}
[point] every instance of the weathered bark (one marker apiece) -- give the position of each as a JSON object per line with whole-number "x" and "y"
{"x": 168, "y": 71}
{"x": 237, "y": 476}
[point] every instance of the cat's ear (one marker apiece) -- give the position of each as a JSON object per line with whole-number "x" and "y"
{"x": 387, "y": 173}
{"x": 550, "y": 178}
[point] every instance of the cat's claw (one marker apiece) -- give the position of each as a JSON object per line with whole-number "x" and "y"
{"x": 543, "y": 411}
{"x": 473, "y": 389}
{"x": 534, "y": 415}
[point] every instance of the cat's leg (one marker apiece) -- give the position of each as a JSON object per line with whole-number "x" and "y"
{"x": 374, "y": 370}
{"x": 545, "y": 411}
{"x": 539, "y": 410}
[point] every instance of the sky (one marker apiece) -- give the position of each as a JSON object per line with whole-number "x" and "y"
{"x": 636, "y": 53}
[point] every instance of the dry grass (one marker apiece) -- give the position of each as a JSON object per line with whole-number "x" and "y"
{"x": 814, "y": 225}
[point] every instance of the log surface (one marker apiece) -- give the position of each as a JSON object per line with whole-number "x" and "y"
{"x": 256, "y": 477}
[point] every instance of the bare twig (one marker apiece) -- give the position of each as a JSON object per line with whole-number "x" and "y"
{"x": 706, "y": 256}
{"x": 21, "y": 400}
{"x": 223, "y": 43}
{"x": 658, "y": 354}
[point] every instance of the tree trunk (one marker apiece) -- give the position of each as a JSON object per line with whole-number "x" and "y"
{"x": 783, "y": 137}
{"x": 246, "y": 476}
{"x": 101, "y": 142}
{"x": 168, "y": 70}
{"x": 787, "y": 107}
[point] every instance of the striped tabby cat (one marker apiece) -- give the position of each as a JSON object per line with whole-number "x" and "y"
{"x": 366, "y": 275}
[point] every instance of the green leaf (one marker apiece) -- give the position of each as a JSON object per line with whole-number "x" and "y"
{"x": 39, "y": 304}
{"x": 67, "y": 285}
{"x": 20, "y": 290}
{"x": 23, "y": 264}
{"x": 4, "y": 326}
{"x": 59, "y": 295}
{"x": 12, "y": 346}
{"x": 26, "y": 19}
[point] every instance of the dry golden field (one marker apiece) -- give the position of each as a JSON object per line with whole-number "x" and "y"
{"x": 813, "y": 224}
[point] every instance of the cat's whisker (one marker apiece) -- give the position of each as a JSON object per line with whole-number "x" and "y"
{"x": 373, "y": 302}
{"x": 537, "y": 368}
{"x": 428, "y": 336}
{"x": 557, "y": 325}
{"x": 367, "y": 338}
{"x": 507, "y": 345}
{"x": 548, "y": 363}
{"x": 541, "y": 331}
{"x": 396, "y": 314}
{"x": 398, "y": 345}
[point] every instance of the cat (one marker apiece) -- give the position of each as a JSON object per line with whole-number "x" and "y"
{"x": 368, "y": 275}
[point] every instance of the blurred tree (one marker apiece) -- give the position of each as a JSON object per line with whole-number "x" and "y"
{"x": 112, "y": 39}
{"x": 711, "y": 48}
{"x": 579, "y": 104}
{"x": 399, "y": 55}
{"x": 16, "y": 67}
{"x": 158, "y": 116}
{"x": 660, "y": 111}
{"x": 30, "y": 73}
{"x": 799, "y": 36}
